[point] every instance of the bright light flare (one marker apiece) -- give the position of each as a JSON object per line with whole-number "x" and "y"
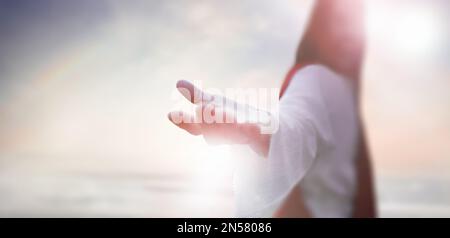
{"x": 408, "y": 31}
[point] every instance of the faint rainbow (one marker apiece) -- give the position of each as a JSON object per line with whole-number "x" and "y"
{"x": 57, "y": 68}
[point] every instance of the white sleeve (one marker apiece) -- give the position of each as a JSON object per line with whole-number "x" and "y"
{"x": 304, "y": 131}
{"x": 305, "y": 134}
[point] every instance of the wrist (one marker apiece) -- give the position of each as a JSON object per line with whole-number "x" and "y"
{"x": 259, "y": 142}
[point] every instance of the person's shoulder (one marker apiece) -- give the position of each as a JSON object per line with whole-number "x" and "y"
{"x": 309, "y": 78}
{"x": 324, "y": 77}
{"x": 318, "y": 84}
{"x": 317, "y": 71}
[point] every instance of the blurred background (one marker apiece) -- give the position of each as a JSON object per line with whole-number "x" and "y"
{"x": 85, "y": 87}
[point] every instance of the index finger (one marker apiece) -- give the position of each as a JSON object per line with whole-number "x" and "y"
{"x": 192, "y": 93}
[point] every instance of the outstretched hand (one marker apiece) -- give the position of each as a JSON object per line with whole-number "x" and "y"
{"x": 215, "y": 123}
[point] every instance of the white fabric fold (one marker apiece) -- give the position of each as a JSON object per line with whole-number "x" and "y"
{"x": 314, "y": 147}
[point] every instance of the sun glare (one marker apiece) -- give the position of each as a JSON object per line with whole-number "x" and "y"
{"x": 410, "y": 31}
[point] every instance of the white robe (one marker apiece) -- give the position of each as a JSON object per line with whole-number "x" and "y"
{"x": 314, "y": 146}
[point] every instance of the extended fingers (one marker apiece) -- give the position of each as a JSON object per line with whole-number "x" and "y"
{"x": 185, "y": 122}
{"x": 192, "y": 93}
